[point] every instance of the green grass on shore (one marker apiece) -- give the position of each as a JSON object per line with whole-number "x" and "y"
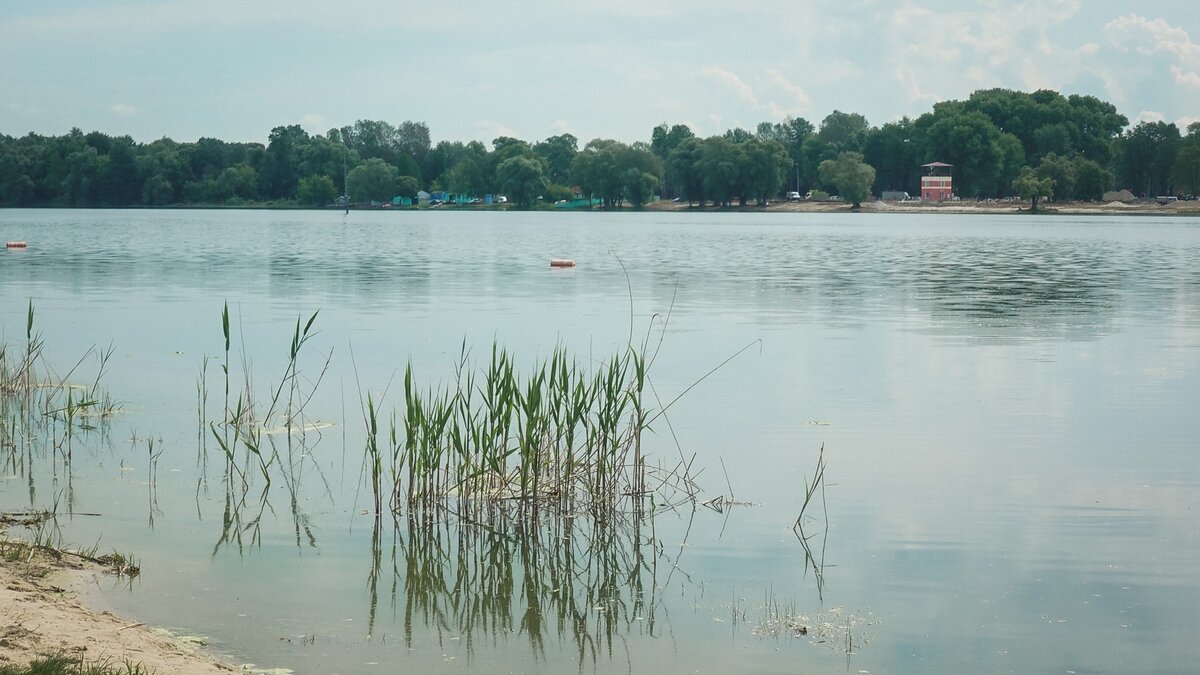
{"x": 65, "y": 665}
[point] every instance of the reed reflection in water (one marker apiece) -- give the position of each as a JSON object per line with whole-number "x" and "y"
{"x": 583, "y": 581}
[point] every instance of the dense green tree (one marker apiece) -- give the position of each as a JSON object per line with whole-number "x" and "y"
{"x": 373, "y": 181}
{"x": 1044, "y": 121}
{"x": 1031, "y": 187}
{"x": 844, "y": 131}
{"x": 851, "y": 175}
{"x": 813, "y": 152}
{"x": 892, "y": 150}
{"x": 1053, "y": 139}
{"x": 594, "y": 170}
{"x": 316, "y": 190}
{"x": 236, "y": 183}
{"x": 157, "y": 191}
{"x": 1062, "y": 171}
{"x": 556, "y": 193}
{"x": 466, "y": 178}
{"x": 557, "y": 152}
{"x": 638, "y": 186}
{"x": 407, "y": 186}
{"x": 616, "y": 172}
{"x": 765, "y": 170}
{"x": 1185, "y": 172}
{"x": 683, "y": 168}
{"x": 665, "y": 140}
{"x": 1098, "y": 124}
{"x": 163, "y": 170}
{"x": 322, "y": 157}
{"x": 1147, "y": 156}
{"x": 522, "y": 178}
{"x": 1091, "y": 179}
{"x": 412, "y": 140}
{"x": 737, "y": 135}
{"x": 972, "y": 143}
{"x": 79, "y": 188}
{"x": 505, "y": 148}
{"x": 721, "y": 163}
{"x": 279, "y": 173}
{"x": 792, "y": 132}
{"x": 117, "y": 183}
{"x": 372, "y": 139}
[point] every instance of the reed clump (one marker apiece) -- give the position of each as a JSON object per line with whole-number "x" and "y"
{"x": 38, "y": 403}
{"x": 560, "y": 434}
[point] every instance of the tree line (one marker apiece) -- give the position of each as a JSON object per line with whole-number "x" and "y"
{"x": 1076, "y": 147}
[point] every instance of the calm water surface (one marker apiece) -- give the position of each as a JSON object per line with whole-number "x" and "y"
{"x": 1007, "y": 406}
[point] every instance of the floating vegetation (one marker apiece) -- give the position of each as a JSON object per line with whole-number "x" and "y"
{"x": 835, "y": 628}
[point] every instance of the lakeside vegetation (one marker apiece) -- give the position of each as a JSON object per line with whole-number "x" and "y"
{"x": 1001, "y": 142}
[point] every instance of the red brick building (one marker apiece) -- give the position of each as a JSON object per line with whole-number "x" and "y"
{"x": 936, "y": 182}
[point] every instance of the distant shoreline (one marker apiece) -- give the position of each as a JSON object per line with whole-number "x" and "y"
{"x": 1180, "y": 208}
{"x": 957, "y": 208}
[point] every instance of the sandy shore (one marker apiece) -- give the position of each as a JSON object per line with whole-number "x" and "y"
{"x": 41, "y": 614}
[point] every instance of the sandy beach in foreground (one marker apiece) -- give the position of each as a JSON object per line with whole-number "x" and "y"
{"x": 42, "y": 613}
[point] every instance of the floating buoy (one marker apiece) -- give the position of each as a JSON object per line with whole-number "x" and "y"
{"x": 562, "y": 262}
{"x": 21, "y": 244}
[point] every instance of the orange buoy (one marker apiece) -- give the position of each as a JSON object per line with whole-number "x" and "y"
{"x": 562, "y": 262}
{"x": 21, "y": 244}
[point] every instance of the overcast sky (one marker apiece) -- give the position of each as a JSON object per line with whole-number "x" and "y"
{"x": 478, "y": 69}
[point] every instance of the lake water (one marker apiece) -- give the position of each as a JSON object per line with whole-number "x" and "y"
{"x": 1007, "y": 407}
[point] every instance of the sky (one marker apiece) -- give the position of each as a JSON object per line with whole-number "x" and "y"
{"x": 480, "y": 69}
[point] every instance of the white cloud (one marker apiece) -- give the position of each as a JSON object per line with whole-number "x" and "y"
{"x": 123, "y": 110}
{"x": 488, "y": 131}
{"x": 771, "y": 92}
{"x": 1148, "y": 116}
{"x": 798, "y": 97}
{"x": 732, "y": 82}
{"x": 315, "y": 123}
{"x": 1156, "y": 37}
{"x": 981, "y": 46}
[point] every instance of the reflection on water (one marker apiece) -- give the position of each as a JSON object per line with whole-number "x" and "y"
{"x": 585, "y": 582}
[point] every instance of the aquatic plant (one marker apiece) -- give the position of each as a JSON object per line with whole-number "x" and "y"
{"x": 246, "y": 434}
{"x": 40, "y": 407}
{"x": 559, "y": 435}
{"x": 815, "y": 563}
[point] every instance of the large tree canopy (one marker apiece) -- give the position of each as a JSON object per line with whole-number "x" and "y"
{"x": 850, "y": 175}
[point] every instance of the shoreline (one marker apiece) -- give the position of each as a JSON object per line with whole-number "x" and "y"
{"x": 956, "y": 208}
{"x": 1178, "y": 208}
{"x": 43, "y": 613}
